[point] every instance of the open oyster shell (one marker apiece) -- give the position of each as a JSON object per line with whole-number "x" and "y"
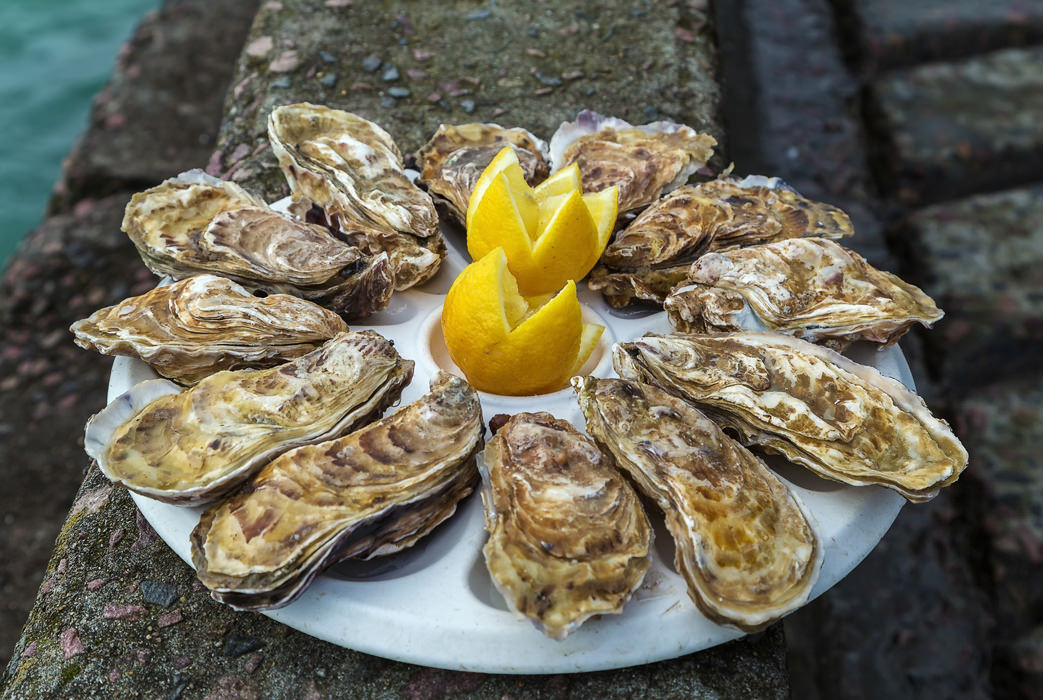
{"x": 811, "y": 288}
{"x": 652, "y": 254}
{"x": 451, "y": 162}
{"x": 352, "y": 169}
{"x": 373, "y": 492}
{"x": 744, "y": 542}
{"x": 840, "y": 419}
{"x": 203, "y": 324}
{"x": 645, "y": 161}
{"x": 197, "y": 223}
{"x": 568, "y": 538}
{"x": 192, "y": 446}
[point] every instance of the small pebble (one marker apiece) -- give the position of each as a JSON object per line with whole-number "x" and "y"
{"x": 387, "y": 102}
{"x": 371, "y": 64}
{"x": 171, "y": 618}
{"x": 280, "y": 83}
{"x": 158, "y": 593}
{"x": 328, "y": 80}
{"x": 482, "y": 13}
{"x": 590, "y": 91}
{"x": 399, "y": 92}
{"x": 551, "y": 80}
{"x": 236, "y": 645}
{"x": 467, "y": 105}
{"x": 422, "y": 54}
{"x": 534, "y": 32}
{"x": 390, "y": 73}
{"x": 327, "y": 57}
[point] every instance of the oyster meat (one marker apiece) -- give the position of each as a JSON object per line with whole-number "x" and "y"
{"x": 811, "y": 288}
{"x": 197, "y": 223}
{"x": 645, "y": 161}
{"x": 352, "y": 169}
{"x": 568, "y": 537}
{"x": 370, "y": 493}
{"x": 743, "y": 540}
{"x": 652, "y": 254}
{"x": 192, "y": 446}
{"x": 203, "y": 324}
{"x": 840, "y": 419}
{"x": 451, "y": 162}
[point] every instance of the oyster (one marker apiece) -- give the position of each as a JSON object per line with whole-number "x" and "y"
{"x": 192, "y": 446}
{"x": 373, "y": 492}
{"x": 568, "y": 538}
{"x": 811, "y": 288}
{"x": 352, "y": 169}
{"x": 451, "y": 162}
{"x": 197, "y": 223}
{"x": 652, "y": 254}
{"x": 645, "y": 161}
{"x": 840, "y": 419}
{"x": 204, "y": 324}
{"x": 744, "y": 543}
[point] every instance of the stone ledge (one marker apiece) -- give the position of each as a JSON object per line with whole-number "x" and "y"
{"x": 949, "y": 130}
{"x": 980, "y": 258}
{"x": 886, "y": 34}
{"x": 518, "y": 64}
{"x": 159, "y": 113}
{"x": 1003, "y": 430}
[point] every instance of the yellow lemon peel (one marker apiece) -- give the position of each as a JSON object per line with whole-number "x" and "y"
{"x": 509, "y": 344}
{"x": 550, "y": 234}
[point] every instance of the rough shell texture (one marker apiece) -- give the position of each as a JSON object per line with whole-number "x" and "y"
{"x": 196, "y": 223}
{"x": 373, "y": 492}
{"x": 352, "y": 169}
{"x": 189, "y": 447}
{"x": 644, "y": 161}
{"x": 842, "y": 420}
{"x": 710, "y": 216}
{"x": 451, "y": 162}
{"x": 568, "y": 538}
{"x": 743, "y": 541}
{"x": 811, "y": 288}
{"x": 203, "y": 324}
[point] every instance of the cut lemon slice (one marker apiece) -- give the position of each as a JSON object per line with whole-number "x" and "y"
{"x": 503, "y": 345}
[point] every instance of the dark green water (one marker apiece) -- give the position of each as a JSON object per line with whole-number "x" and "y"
{"x": 54, "y": 56}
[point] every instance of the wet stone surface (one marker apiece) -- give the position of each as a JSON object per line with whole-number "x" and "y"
{"x": 464, "y": 61}
{"x": 160, "y": 111}
{"x": 1003, "y": 429}
{"x": 72, "y": 265}
{"x": 981, "y": 259}
{"x": 947, "y": 130}
{"x": 885, "y": 34}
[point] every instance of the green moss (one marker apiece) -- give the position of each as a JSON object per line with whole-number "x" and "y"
{"x": 70, "y": 672}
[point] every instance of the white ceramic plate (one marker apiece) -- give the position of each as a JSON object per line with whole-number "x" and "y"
{"x": 435, "y": 604}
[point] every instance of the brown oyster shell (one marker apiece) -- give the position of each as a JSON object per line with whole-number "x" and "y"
{"x": 743, "y": 541}
{"x": 204, "y": 324}
{"x": 698, "y": 219}
{"x": 811, "y": 288}
{"x": 644, "y": 161}
{"x": 568, "y": 538}
{"x": 842, "y": 420}
{"x": 352, "y": 169}
{"x": 196, "y": 223}
{"x": 373, "y": 492}
{"x": 192, "y": 446}
{"x": 452, "y": 161}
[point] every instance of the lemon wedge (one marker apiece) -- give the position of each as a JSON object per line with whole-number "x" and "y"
{"x": 509, "y": 344}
